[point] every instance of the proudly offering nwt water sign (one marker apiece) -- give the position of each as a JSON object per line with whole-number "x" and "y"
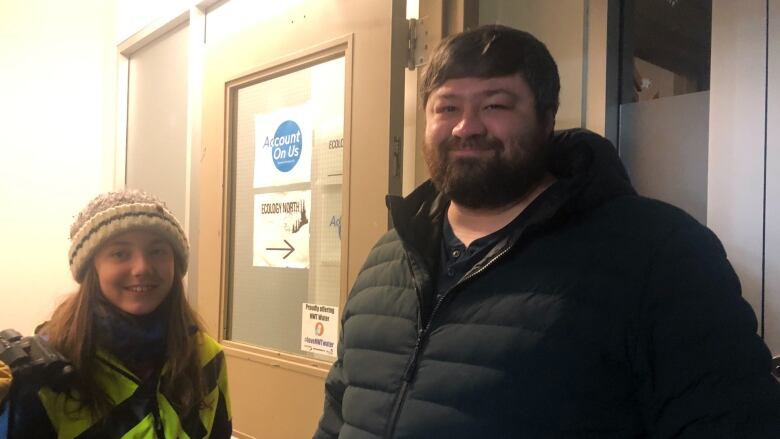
{"x": 319, "y": 329}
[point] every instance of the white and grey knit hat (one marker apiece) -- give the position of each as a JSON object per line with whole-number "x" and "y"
{"x": 112, "y": 213}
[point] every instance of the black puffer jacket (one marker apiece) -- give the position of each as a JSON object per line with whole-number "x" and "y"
{"x": 607, "y": 315}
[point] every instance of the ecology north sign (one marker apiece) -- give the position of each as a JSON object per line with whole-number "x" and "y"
{"x": 281, "y": 229}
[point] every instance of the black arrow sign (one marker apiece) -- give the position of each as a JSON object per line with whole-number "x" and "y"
{"x": 289, "y": 249}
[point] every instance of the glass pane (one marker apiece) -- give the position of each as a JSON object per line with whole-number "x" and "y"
{"x": 663, "y": 132}
{"x": 286, "y": 251}
{"x": 666, "y": 154}
{"x": 666, "y": 48}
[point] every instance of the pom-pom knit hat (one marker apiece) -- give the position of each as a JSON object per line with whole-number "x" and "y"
{"x": 112, "y": 213}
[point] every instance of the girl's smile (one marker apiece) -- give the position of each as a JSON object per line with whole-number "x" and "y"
{"x": 135, "y": 270}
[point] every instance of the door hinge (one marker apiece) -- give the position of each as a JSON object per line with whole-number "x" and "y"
{"x": 397, "y": 158}
{"x": 418, "y": 45}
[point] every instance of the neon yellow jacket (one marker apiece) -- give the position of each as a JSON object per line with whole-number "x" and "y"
{"x": 141, "y": 410}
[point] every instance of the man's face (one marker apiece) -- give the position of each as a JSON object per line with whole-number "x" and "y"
{"x": 484, "y": 143}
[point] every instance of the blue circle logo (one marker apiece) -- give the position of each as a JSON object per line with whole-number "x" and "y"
{"x": 287, "y": 146}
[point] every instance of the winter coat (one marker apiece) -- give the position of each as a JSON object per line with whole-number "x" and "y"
{"x": 141, "y": 409}
{"x": 604, "y": 315}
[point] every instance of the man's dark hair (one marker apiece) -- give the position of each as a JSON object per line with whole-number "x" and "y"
{"x": 490, "y": 51}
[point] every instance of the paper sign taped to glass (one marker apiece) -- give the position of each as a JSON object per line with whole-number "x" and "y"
{"x": 283, "y": 146}
{"x": 320, "y": 329}
{"x": 281, "y": 229}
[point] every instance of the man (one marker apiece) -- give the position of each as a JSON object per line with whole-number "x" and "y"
{"x": 527, "y": 291}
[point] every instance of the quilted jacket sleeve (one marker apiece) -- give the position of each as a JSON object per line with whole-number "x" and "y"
{"x": 28, "y": 418}
{"x": 331, "y": 420}
{"x": 705, "y": 373}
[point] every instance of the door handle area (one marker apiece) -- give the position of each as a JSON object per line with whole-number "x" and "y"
{"x": 776, "y": 367}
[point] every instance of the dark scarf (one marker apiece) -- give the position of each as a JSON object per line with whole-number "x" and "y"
{"x": 139, "y": 342}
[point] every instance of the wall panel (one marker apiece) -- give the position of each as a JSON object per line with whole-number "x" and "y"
{"x": 772, "y": 252}
{"x": 157, "y": 119}
{"x": 735, "y": 181}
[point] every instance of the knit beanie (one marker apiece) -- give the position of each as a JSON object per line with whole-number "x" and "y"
{"x": 113, "y": 213}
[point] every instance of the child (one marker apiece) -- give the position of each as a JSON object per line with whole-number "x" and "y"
{"x": 144, "y": 367}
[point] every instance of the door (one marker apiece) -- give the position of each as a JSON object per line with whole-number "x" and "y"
{"x": 302, "y": 134}
{"x": 156, "y": 154}
{"x": 771, "y": 311}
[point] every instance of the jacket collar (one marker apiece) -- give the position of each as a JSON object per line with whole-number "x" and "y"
{"x": 588, "y": 170}
{"x": 417, "y": 219}
{"x": 590, "y": 166}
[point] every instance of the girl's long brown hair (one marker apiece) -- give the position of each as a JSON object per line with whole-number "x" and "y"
{"x": 71, "y": 332}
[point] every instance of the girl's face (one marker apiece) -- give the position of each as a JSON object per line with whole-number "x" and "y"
{"x": 135, "y": 270}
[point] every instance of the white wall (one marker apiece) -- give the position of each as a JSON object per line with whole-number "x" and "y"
{"x": 58, "y": 99}
{"x": 57, "y": 70}
{"x": 133, "y": 15}
{"x": 736, "y": 138}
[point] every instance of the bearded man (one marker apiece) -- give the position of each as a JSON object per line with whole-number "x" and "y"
{"x": 527, "y": 291}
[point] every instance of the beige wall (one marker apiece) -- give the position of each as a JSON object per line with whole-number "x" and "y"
{"x": 134, "y": 15}
{"x": 58, "y": 82}
{"x": 56, "y": 117}
{"x": 559, "y": 25}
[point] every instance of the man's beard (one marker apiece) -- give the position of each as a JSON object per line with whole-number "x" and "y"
{"x": 492, "y": 180}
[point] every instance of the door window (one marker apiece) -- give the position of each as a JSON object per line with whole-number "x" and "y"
{"x": 664, "y": 99}
{"x": 287, "y": 143}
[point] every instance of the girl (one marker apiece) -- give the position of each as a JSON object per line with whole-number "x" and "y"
{"x": 144, "y": 367}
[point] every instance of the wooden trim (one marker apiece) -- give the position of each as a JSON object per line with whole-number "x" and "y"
{"x": 205, "y": 5}
{"x": 153, "y": 31}
{"x": 274, "y": 358}
{"x": 459, "y": 15}
{"x": 240, "y": 435}
{"x": 346, "y": 181}
{"x": 122, "y": 99}
{"x": 595, "y": 68}
{"x": 290, "y": 63}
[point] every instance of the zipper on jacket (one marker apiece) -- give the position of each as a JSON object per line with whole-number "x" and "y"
{"x": 401, "y": 395}
{"x": 397, "y": 403}
{"x": 471, "y": 274}
{"x": 422, "y": 334}
{"x": 157, "y": 424}
{"x": 159, "y": 428}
